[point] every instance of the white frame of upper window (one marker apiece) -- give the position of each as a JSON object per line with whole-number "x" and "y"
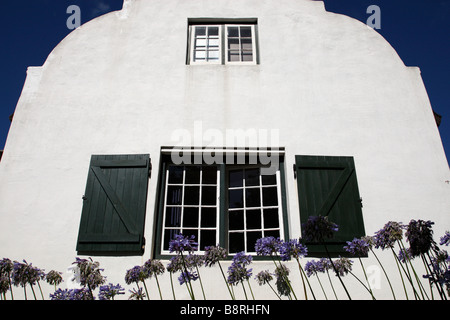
{"x": 223, "y": 44}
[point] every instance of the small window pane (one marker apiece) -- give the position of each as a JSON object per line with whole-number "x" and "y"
{"x": 191, "y": 195}
{"x": 270, "y": 196}
{"x": 213, "y": 31}
{"x": 271, "y": 218}
{"x": 236, "y": 178}
{"x": 247, "y": 45}
{"x": 200, "y": 43}
{"x": 236, "y": 242}
{"x": 209, "y": 175}
{"x": 246, "y": 32}
{"x": 251, "y": 240}
{"x": 234, "y": 56}
{"x": 174, "y": 195}
{"x": 253, "y": 219}
{"x": 233, "y": 44}
{"x": 236, "y": 220}
{"x": 252, "y": 197}
{"x": 191, "y": 232}
{"x": 247, "y": 57}
{"x": 214, "y": 42}
{"x": 269, "y": 179}
{"x": 169, "y": 235}
{"x": 200, "y": 31}
{"x": 208, "y": 219}
{"x": 175, "y": 174}
{"x": 173, "y": 217}
{"x": 192, "y": 175}
{"x": 190, "y": 217}
{"x": 213, "y": 55}
{"x": 209, "y": 195}
{"x": 252, "y": 177}
{"x": 236, "y": 199}
{"x": 272, "y": 233}
{"x": 200, "y": 55}
{"x": 208, "y": 238}
{"x": 233, "y": 31}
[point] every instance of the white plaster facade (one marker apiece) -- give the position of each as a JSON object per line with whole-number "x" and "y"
{"x": 120, "y": 84}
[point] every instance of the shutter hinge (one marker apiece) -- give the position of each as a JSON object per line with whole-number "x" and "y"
{"x": 149, "y": 169}
{"x": 295, "y": 171}
{"x": 361, "y": 201}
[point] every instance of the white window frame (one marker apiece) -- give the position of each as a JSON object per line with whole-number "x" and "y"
{"x": 223, "y": 45}
{"x": 192, "y": 46}
{"x": 279, "y": 207}
{"x": 183, "y": 206}
{"x": 253, "y": 61}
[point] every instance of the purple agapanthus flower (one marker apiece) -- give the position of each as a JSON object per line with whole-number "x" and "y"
{"x": 419, "y": 234}
{"x": 237, "y": 271}
{"x": 318, "y": 228}
{"x": 187, "y": 276}
{"x": 267, "y": 246}
{"x": 90, "y": 273}
{"x": 292, "y": 249}
{"x": 182, "y": 243}
{"x": 387, "y": 236}
{"x": 313, "y": 267}
{"x": 343, "y": 265}
{"x": 71, "y": 294}
{"x": 445, "y": 239}
{"x": 135, "y": 274}
{"x": 109, "y": 291}
{"x": 214, "y": 254}
{"x": 263, "y": 277}
{"x": 357, "y": 247}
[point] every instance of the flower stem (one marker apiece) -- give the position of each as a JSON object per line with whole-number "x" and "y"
{"x": 201, "y": 284}
{"x": 302, "y": 274}
{"x": 365, "y": 275}
{"x": 332, "y": 287}
{"x": 159, "y": 288}
{"x": 171, "y": 284}
{"x": 225, "y": 279}
{"x": 390, "y": 285}
{"x": 335, "y": 270}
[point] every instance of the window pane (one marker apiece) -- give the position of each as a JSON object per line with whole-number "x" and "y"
{"x": 272, "y": 233}
{"x": 247, "y": 45}
{"x": 192, "y": 175}
{"x": 191, "y": 232}
{"x": 213, "y": 42}
{"x": 208, "y": 238}
{"x": 253, "y": 219}
{"x": 270, "y": 196}
{"x": 236, "y": 178}
{"x": 269, "y": 179}
{"x": 175, "y": 174}
{"x": 209, "y": 195}
{"x": 271, "y": 218}
{"x": 190, "y": 217}
{"x": 169, "y": 235}
{"x": 200, "y": 43}
{"x": 236, "y": 199}
{"x": 251, "y": 240}
{"x": 233, "y": 32}
{"x": 233, "y": 56}
{"x": 174, "y": 195}
{"x": 233, "y": 44}
{"x": 246, "y": 32}
{"x": 247, "y": 57}
{"x": 252, "y": 177}
{"x": 236, "y": 242}
{"x": 213, "y": 31}
{"x": 200, "y": 31}
{"x": 173, "y": 217}
{"x": 209, "y": 175}
{"x": 213, "y": 55}
{"x": 236, "y": 220}
{"x": 208, "y": 217}
{"x": 252, "y": 197}
{"x": 199, "y": 55}
{"x": 191, "y": 195}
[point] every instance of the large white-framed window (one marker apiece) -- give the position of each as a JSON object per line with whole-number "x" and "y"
{"x": 222, "y": 44}
{"x": 230, "y": 204}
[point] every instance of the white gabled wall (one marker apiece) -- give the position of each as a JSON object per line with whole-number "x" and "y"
{"x": 119, "y": 84}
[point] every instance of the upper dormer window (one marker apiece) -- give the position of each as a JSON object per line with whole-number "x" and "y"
{"x": 222, "y": 43}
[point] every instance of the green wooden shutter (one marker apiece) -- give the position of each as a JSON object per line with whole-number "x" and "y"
{"x": 327, "y": 186}
{"x": 114, "y": 205}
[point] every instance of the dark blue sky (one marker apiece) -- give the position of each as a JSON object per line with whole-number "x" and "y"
{"x": 419, "y": 30}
